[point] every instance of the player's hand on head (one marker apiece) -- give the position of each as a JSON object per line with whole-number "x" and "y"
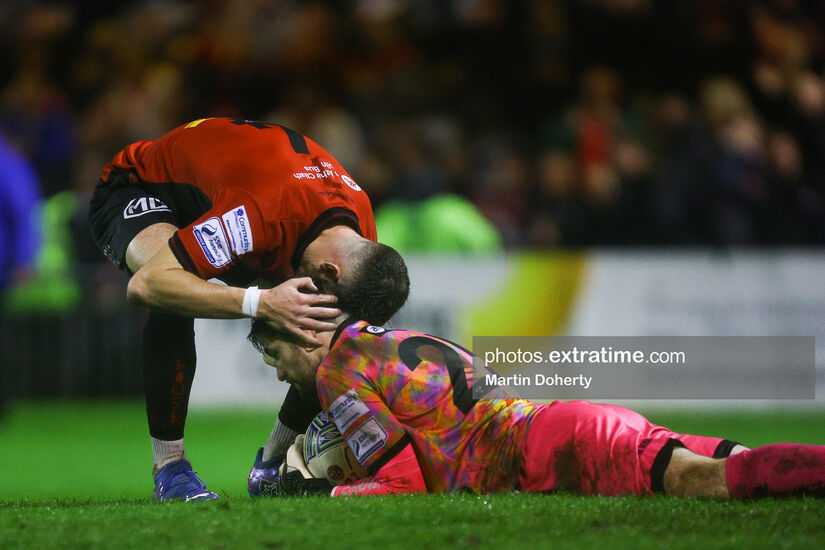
{"x": 295, "y": 307}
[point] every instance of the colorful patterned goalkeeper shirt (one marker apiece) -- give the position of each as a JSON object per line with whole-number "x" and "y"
{"x": 386, "y": 388}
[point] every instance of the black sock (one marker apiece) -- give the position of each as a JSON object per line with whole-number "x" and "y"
{"x": 168, "y": 370}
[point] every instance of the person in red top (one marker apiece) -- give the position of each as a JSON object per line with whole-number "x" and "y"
{"x": 241, "y": 201}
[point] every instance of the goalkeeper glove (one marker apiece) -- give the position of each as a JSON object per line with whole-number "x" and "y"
{"x": 295, "y": 477}
{"x": 295, "y": 484}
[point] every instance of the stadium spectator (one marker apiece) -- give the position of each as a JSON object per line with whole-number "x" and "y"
{"x": 423, "y": 214}
{"x": 353, "y": 73}
{"x": 35, "y": 112}
{"x": 20, "y": 230}
{"x": 19, "y": 227}
{"x": 441, "y": 224}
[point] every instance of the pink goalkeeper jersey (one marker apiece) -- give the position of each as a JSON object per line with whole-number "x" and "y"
{"x": 387, "y": 388}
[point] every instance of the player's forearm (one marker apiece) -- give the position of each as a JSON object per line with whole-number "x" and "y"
{"x": 177, "y": 291}
{"x": 363, "y": 487}
{"x": 399, "y": 476}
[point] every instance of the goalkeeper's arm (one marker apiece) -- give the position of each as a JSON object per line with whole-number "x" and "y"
{"x": 400, "y": 475}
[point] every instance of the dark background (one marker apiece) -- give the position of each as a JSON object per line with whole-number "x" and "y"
{"x": 567, "y": 124}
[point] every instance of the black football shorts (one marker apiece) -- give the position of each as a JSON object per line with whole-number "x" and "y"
{"x": 120, "y": 209}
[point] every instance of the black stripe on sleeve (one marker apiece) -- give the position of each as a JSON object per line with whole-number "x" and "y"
{"x": 389, "y": 454}
{"x": 298, "y": 142}
{"x": 182, "y": 255}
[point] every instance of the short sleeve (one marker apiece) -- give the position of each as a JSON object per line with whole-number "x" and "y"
{"x": 353, "y": 395}
{"x": 214, "y": 242}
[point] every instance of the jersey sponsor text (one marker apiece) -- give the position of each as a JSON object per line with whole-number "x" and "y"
{"x": 240, "y": 233}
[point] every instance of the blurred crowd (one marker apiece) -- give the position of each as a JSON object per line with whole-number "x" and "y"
{"x": 564, "y": 122}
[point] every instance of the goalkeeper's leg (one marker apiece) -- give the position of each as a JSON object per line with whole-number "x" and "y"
{"x": 783, "y": 469}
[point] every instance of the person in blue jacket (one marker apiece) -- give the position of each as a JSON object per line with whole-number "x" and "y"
{"x": 19, "y": 231}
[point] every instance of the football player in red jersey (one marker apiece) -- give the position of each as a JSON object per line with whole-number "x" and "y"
{"x": 404, "y": 403}
{"x": 240, "y": 201}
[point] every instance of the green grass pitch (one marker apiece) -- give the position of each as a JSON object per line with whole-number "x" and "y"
{"x": 76, "y": 475}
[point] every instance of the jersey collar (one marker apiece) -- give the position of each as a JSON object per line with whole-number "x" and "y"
{"x": 327, "y": 218}
{"x": 347, "y": 322}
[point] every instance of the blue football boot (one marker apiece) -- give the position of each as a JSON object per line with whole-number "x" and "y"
{"x": 264, "y": 479}
{"x": 177, "y": 481}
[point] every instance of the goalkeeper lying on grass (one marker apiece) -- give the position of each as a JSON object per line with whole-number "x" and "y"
{"x": 403, "y": 402}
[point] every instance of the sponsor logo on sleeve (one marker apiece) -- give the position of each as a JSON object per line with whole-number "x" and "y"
{"x": 211, "y": 237}
{"x": 144, "y": 205}
{"x": 367, "y": 440}
{"x": 350, "y": 182}
{"x": 347, "y": 409}
{"x": 240, "y": 233}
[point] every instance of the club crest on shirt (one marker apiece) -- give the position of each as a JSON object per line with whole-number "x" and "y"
{"x": 211, "y": 237}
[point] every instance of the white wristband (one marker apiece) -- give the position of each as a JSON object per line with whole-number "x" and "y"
{"x": 251, "y": 296}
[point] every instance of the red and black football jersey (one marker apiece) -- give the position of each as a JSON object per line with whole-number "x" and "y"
{"x": 270, "y": 192}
